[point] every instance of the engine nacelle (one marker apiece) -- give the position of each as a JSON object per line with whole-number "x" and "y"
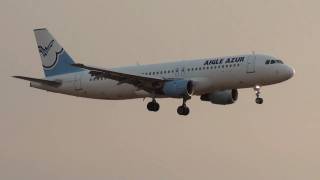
{"x": 221, "y": 97}
{"x": 178, "y": 88}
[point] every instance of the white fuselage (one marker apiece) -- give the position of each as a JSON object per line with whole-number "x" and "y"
{"x": 207, "y": 75}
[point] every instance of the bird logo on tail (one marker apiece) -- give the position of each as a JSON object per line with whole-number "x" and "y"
{"x": 50, "y": 58}
{"x": 44, "y": 51}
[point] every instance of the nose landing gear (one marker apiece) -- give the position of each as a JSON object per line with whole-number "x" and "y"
{"x": 259, "y": 100}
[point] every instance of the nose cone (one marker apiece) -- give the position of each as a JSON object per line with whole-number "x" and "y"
{"x": 284, "y": 72}
{"x": 291, "y": 72}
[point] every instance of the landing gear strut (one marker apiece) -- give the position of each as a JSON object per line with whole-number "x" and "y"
{"x": 259, "y": 100}
{"x": 183, "y": 109}
{"x": 153, "y": 106}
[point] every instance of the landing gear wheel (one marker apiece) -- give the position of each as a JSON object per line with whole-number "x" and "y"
{"x": 183, "y": 110}
{"x": 257, "y": 89}
{"x": 259, "y": 100}
{"x": 153, "y": 106}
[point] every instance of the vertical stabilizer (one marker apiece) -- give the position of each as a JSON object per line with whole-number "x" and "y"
{"x": 55, "y": 60}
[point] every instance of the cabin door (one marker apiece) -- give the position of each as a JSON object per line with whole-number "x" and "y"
{"x": 77, "y": 82}
{"x": 251, "y": 65}
{"x": 180, "y": 71}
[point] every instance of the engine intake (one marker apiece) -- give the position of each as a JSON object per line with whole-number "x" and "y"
{"x": 221, "y": 97}
{"x": 178, "y": 88}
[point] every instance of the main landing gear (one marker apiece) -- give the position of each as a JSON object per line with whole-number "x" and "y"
{"x": 153, "y": 106}
{"x": 259, "y": 100}
{"x": 181, "y": 110}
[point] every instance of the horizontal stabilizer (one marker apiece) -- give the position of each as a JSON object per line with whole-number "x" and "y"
{"x": 42, "y": 81}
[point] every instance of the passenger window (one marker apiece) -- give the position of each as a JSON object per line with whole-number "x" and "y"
{"x": 268, "y": 62}
{"x": 272, "y": 62}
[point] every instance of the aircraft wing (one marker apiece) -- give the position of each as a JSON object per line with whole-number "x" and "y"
{"x": 149, "y": 84}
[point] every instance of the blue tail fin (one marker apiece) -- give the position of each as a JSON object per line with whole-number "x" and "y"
{"x": 55, "y": 60}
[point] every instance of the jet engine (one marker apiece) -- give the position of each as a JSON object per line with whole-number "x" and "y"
{"x": 221, "y": 97}
{"x": 178, "y": 88}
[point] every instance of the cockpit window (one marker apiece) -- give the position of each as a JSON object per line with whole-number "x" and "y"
{"x": 274, "y": 61}
{"x": 279, "y": 61}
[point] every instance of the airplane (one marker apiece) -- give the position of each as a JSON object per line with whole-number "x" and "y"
{"x": 215, "y": 80}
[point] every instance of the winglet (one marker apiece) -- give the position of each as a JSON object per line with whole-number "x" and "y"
{"x": 40, "y": 29}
